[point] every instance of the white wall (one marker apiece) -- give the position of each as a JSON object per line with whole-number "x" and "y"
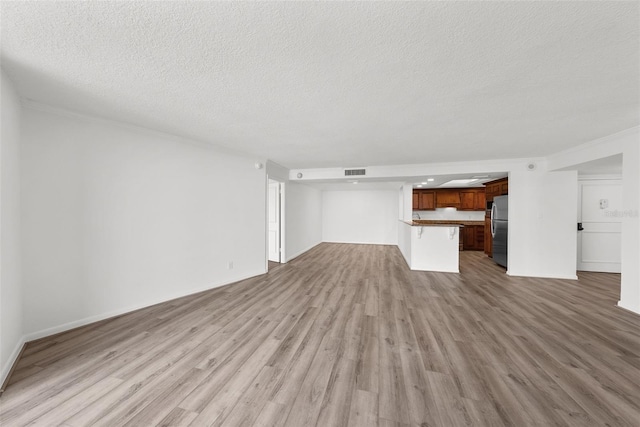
{"x": 542, "y": 205}
{"x": 435, "y": 248}
{"x": 303, "y": 219}
{"x": 625, "y": 143}
{"x": 404, "y": 241}
{"x": 630, "y": 286}
{"x": 407, "y": 206}
{"x": 452, "y": 214}
{"x": 117, "y": 217}
{"x": 11, "y": 332}
{"x": 360, "y": 216}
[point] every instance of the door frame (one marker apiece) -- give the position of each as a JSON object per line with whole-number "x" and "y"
{"x": 603, "y": 179}
{"x": 282, "y": 186}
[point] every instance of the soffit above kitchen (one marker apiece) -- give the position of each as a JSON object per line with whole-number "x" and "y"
{"x": 329, "y": 84}
{"x": 426, "y": 182}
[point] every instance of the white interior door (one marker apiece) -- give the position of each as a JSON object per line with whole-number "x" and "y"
{"x": 600, "y": 210}
{"x": 274, "y": 221}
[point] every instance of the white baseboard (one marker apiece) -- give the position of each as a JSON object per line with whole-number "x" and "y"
{"x": 362, "y": 243}
{"x": 544, "y": 276}
{"x": 6, "y": 369}
{"x": 297, "y": 254}
{"x": 92, "y": 319}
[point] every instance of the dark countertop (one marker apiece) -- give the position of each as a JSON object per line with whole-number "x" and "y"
{"x": 446, "y": 222}
{"x": 422, "y": 223}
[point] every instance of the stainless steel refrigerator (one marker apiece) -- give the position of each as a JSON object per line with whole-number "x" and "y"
{"x": 500, "y": 228}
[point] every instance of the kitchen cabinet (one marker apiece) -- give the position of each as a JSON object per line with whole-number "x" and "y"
{"x": 467, "y": 199}
{"x": 427, "y": 200}
{"x": 488, "y": 239}
{"x": 472, "y": 199}
{"x": 499, "y": 187}
{"x": 424, "y": 200}
{"x": 473, "y": 237}
{"x": 449, "y": 198}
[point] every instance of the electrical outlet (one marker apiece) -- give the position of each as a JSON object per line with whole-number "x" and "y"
{"x": 230, "y": 265}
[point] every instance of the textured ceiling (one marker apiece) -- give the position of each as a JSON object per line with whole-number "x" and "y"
{"x": 319, "y": 84}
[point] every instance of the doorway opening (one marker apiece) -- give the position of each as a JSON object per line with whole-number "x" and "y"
{"x": 275, "y": 214}
{"x": 600, "y": 225}
{"x": 600, "y": 204}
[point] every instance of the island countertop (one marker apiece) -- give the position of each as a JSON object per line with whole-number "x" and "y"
{"x": 431, "y": 246}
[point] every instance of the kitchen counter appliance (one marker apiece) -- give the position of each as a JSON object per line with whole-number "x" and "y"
{"x": 500, "y": 228}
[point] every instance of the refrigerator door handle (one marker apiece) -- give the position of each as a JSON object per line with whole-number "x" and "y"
{"x": 493, "y": 221}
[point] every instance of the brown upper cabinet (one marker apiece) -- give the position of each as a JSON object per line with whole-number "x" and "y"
{"x": 499, "y": 187}
{"x": 448, "y": 198}
{"x": 471, "y": 199}
{"x": 426, "y": 200}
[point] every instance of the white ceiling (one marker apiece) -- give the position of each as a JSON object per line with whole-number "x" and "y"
{"x": 328, "y": 84}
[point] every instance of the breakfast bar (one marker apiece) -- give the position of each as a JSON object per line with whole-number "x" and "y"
{"x": 430, "y": 247}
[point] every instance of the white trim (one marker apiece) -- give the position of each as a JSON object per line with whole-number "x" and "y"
{"x": 13, "y": 359}
{"x": 561, "y": 277}
{"x": 283, "y": 222}
{"x": 609, "y": 177}
{"x": 92, "y": 319}
{"x": 361, "y": 243}
{"x": 282, "y": 217}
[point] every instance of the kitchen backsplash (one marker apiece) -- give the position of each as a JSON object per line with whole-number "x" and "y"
{"x": 450, "y": 213}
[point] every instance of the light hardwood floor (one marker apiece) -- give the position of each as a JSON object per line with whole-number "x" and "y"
{"x": 347, "y": 335}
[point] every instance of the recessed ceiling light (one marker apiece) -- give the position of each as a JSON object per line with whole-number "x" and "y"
{"x": 419, "y": 186}
{"x": 423, "y": 183}
{"x": 355, "y": 182}
{"x": 430, "y": 179}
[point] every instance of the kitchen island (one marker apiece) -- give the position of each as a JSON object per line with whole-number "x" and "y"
{"x": 430, "y": 247}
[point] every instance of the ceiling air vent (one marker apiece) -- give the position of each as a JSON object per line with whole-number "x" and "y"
{"x": 354, "y": 172}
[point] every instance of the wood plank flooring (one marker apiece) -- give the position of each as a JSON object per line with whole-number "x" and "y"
{"x": 347, "y": 335}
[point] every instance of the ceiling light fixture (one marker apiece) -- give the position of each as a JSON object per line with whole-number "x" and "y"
{"x": 456, "y": 182}
{"x": 430, "y": 180}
